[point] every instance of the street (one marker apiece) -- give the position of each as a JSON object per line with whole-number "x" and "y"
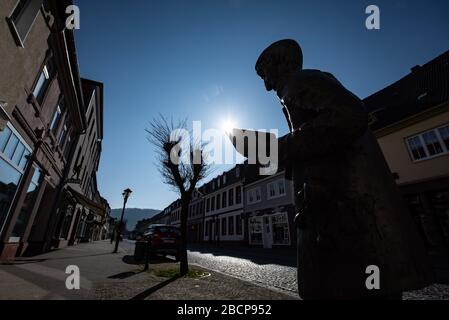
{"x": 275, "y": 268}
{"x": 104, "y": 275}
{"x": 271, "y": 268}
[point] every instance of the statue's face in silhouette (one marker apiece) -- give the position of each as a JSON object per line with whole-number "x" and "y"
{"x": 278, "y": 62}
{"x": 268, "y": 76}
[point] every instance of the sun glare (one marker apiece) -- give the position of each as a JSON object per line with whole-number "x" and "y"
{"x": 228, "y": 125}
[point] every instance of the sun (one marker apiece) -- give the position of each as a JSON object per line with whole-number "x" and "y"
{"x": 228, "y": 125}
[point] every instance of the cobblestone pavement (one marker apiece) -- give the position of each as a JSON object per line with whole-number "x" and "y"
{"x": 252, "y": 264}
{"x": 276, "y": 269}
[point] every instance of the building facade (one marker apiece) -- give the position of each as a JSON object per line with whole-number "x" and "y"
{"x": 42, "y": 119}
{"x": 269, "y": 210}
{"x": 223, "y": 207}
{"x": 411, "y": 121}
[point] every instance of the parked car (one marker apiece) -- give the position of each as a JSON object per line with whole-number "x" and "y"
{"x": 163, "y": 239}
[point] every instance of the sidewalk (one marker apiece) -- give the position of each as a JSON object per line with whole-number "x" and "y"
{"x": 116, "y": 276}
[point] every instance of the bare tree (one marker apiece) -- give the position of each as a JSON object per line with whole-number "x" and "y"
{"x": 182, "y": 164}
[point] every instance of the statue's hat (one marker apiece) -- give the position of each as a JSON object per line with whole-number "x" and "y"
{"x": 285, "y": 51}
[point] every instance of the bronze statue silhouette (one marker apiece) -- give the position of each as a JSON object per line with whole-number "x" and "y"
{"x": 349, "y": 212}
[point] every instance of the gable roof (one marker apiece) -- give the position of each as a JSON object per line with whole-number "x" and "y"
{"x": 424, "y": 87}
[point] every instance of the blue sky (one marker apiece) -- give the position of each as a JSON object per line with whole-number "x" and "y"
{"x": 196, "y": 59}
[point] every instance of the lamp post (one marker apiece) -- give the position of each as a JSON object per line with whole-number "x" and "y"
{"x": 126, "y": 193}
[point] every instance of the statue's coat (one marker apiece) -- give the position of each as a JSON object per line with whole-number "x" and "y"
{"x": 350, "y": 214}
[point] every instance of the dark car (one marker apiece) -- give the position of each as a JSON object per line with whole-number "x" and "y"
{"x": 163, "y": 239}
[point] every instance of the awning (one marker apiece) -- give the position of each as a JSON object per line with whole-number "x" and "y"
{"x": 86, "y": 202}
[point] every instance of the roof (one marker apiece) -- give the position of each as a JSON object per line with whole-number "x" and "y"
{"x": 89, "y": 87}
{"x": 424, "y": 87}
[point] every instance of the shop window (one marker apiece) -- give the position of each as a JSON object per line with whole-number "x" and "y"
{"x": 255, "y": 230}
{"x": 27, "y": 207}
{"x": 281, "y": 234}
{"x": 13, "y": 160}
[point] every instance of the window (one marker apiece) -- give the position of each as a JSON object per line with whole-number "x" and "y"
{"x": 208, "y": 205}
{"x": 231, "y": 197}
{"x": 13, "y": 160}
{"x": 27, "y": 207}
{"x": 231, "y": 225}
{"x": 224, "y": 178}
{"x": 22, "y": 18}
{"x": 271, "y": 190}
{"x": 63, "y": 135}
{"x": 218, "y": 182}
{"x": 254, "y": 195}
{"x": 281, "y": 233}
{"x": 258, "y": 194}
{"x": 223, "y": 226}
{"x": 444, "y": 134}
{"x": 218, "y": 201}
{"x": 432, "y": 143}
{"x": 237, "y": 172}
{"x": 212, "y": 205}
{"x": 416, "y": 148}
{"x": 429, "y": 144}
{"x": 281, "y": 187}
{"x": 67, "y": 147}
{"x": 276, "y": 189}
{"x": 216, "y": 228}
{"x": 238, "y": 225}
{"x": 206, "y": 230}
{"x": 255, "y": 230}
{"x": 238, "y": 195}
{"x": 223, "y": 200}
{"x": 56, "y": 118}
{"x": 43, "y": 82}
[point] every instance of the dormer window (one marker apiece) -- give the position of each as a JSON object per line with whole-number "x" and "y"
{"x": 422, "y": 95}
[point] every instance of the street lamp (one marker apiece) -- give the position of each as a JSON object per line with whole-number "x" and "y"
{"x": 126, "y": 193}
